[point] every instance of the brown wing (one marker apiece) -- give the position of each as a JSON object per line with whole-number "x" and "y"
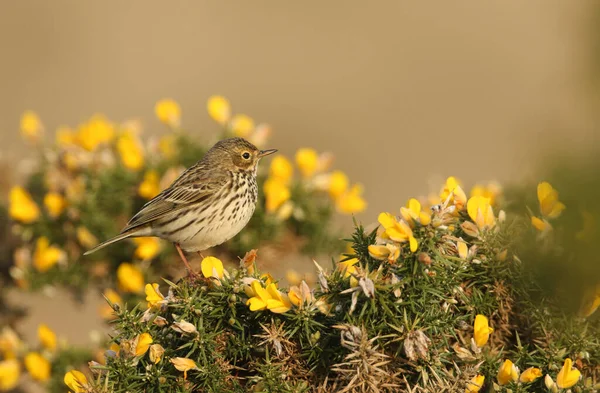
{"x": 193, "y": 186}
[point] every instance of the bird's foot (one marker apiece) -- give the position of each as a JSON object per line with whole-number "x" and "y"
{"x": 192, "y": 275}
{"x": 195, "y": 278}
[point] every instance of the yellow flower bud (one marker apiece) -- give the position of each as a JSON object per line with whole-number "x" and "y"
{"x": 76, "y": 381}
{"x": 307, "y": 160}
{"x": 55, "y": 203}
{"x": 37, "y": 366}
{"x": 130, "y": 278}
{"x": 168, "y": 111}
{"x": 10, "y": 371}
{"x": 242, "y": 125}
{"x": 212, "y": 267}
{"x": 219, "y": 109}
{"x": 475, "y": 384}
{"x": 482, "y": 330}
{"x": 508, "y": 372}
{"x": 22, "y": 207}
{"x": 530, "y": 375}
{"x": 31, "y": 126}
{"x": 47, "y": 337}
{"x": 143, "y": 344}
{"x": 567, "y": 376}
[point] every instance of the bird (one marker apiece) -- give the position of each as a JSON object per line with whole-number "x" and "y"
{"x": 208, "y": 204}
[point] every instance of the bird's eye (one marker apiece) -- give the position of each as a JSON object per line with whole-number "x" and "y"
{"x": 246, "y": 155}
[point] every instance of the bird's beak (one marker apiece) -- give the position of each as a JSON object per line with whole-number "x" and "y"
{"x": 264, "y": 153}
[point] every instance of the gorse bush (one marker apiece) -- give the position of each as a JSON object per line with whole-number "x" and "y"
{"x": 439, "y": 299}
{"x": 83, "y": 187}
{"x": 92, "y": 179}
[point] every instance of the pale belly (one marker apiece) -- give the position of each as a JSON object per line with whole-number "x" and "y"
{"x": 200, "y": 231}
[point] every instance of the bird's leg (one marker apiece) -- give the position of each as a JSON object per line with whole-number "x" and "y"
{"x": 200, "y": 253}
{"x": 191, "y": 273}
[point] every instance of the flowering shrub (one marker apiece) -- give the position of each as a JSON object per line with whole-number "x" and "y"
{"x": 436, "y": 299}
{"x": 43, "y": 362}
{"x": 94, "y": 177}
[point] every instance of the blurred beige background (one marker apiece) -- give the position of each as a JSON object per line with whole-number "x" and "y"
{"x": 404, "y": 93}
{"x": 399, "y": 91}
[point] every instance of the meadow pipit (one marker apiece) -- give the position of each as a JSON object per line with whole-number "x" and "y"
{"x": 206, "y": 205}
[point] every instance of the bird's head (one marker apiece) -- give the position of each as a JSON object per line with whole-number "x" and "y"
{"x": 237, "y": 154}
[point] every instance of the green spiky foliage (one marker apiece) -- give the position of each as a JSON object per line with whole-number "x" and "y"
{"x": 379, "y": 321}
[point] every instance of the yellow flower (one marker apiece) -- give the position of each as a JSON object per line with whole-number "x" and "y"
{"x": 550, "y": 206}
{"x": 130, "y": 278}
{"x": 276, "y": 193}
{"x": 147, "y": 247}
{"x": 279, "y": 302}
{"x": 567, "y": 376}
{"x": 348, "y": 268}
{"x": 530, "y": 375}
{"x": 281, "y": 169}
{"x": 22, "y": 207}
{"x": 338, "y": 184}
{"x": 242, "y": 125}
{"x": 153, "y": 295}
{"x": 105, "y": 310}
{"x": 37, "y": 366}
{"x": 156, "y": 353}
{"x": 307, "y": 160}
{"x": 55, "y": 203}
{"x": 167, "y": 146}
{"x": 258, "y": 300}
{"x": 453, "y": 190}
{"x": 76, "y": 381}
{"x": 463, "y": 250}
{"x": 10, "y": 371}
{"x": 475, "y": 384}
{"x": 540, "y": 225}
{"x": 481, "y": 212}
{"x": 168, "y": 111}
{"x": 267, "y": 278}
{"x": 97, "y": 131}
{"x": 47, "y": 337}
{"x": 65, "y": 136}
{"x": 508, "y": 372}
{"x": 412, "y": 213}
{"x": 85, "y": 237}
{"x": 31, "y": 126}
{"x": 131, "y": 151}
{"x": 9, "y": 343}
{"x": 482, "y": 330}
{"x": 184, "y": 364}
{"x": 219, "y": 109}
{"x": 351, "y": 201}
{"x": 491, "y": 191}
{"x": 388, "y": 252}
{"x": 142, "y": 345}
{"x": 398, "y": 231}
{"x": 212, "y": 267}
{"x": 268, "y": 298}
{"x": 150, "y": 186}
{"x": 45, "y": 256}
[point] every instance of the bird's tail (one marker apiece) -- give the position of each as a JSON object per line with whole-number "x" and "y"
{"x": 115, "y": 239}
